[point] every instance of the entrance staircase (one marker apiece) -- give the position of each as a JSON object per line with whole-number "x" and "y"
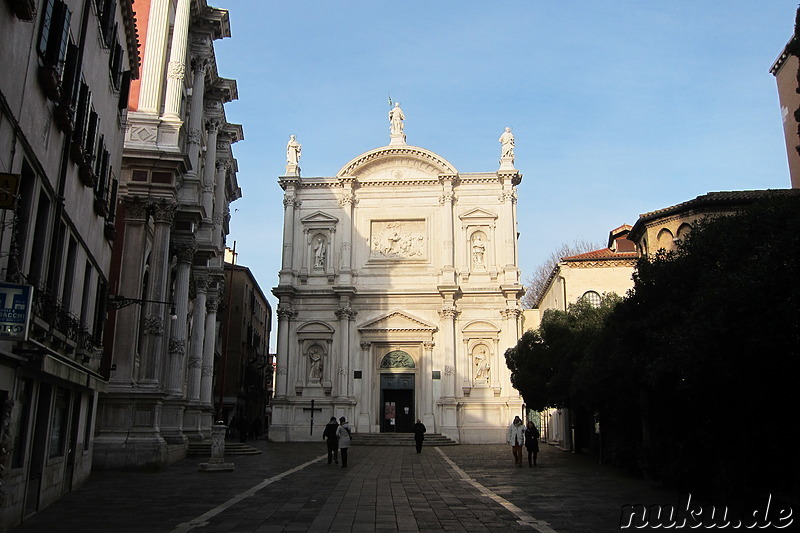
{"x": 231, "y": 448}
{"x": 399, "y": 439}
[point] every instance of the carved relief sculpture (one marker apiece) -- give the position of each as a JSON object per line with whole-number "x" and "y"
{"x": 398, "y": 239}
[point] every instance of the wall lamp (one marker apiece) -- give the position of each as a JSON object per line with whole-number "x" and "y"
{"x": 115, "y": 301}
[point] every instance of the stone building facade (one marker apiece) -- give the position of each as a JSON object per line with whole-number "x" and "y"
{"x": 178, "y": 178}
{"x": 245, "y": 384}
{"x": 583, "y": 276}
{"x": 398, "y": 295}
{"x": 66, "y": 71}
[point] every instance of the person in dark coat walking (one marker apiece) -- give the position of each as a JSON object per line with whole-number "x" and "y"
{"x": 532, "y": 443}
{"x": 333, "y": 440}
{"x": 419, "y": 434}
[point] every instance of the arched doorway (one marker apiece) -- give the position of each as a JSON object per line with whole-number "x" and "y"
{"x": 397, "y": 392}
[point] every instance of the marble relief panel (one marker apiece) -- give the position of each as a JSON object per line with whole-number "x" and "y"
{"x": 398, "y": 239}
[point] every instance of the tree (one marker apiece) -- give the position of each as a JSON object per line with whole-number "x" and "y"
{"x": 537, "y": 282}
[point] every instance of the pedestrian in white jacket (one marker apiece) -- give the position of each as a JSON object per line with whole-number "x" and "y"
{"x": 343, "y": 432}
{"x": 516, "y": 438}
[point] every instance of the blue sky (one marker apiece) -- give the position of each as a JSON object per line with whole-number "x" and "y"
{"x": 618, "y": 107}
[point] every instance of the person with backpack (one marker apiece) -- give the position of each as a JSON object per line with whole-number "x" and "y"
{"x": 343, "y": 434}
{"x": 332, "y": 440}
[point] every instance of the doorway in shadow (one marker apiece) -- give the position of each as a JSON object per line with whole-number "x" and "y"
{"x": 397, "y": 402}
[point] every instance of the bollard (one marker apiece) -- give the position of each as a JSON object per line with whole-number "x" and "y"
{"x": 217, "y": 461}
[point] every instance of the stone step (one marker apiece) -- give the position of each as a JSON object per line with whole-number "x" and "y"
{"x": 399, "y": 439}
{"x": 231, "y": 448}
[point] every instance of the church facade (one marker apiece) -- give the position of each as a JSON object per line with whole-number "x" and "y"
{"x": 398, "y": 295}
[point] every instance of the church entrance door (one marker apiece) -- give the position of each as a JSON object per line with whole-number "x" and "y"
{"x": 397, "y": 403}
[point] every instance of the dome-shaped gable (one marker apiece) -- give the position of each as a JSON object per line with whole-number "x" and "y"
{"x": 397, "y": 163}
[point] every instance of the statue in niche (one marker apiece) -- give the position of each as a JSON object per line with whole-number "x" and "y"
{"x": 478, "y": 251}
{"x": 315, "y": 360}
{"x": 507, "y": 142}
{"x": 396, "y": 118}
{"x": 293, "y": 149}
{"x": 482, "y": 365}
{"x": 319, "y": 253}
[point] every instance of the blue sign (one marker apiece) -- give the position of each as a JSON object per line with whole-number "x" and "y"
{"x": 15, "y": 310}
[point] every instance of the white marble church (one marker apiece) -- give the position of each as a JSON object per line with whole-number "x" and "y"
{"x": 398, "y": 295}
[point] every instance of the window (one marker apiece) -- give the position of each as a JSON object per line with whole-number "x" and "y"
{"x": 58, "y": 426}
{"x": 54, "y": 33}
{"x": 592, "y": 297}
{"x": 24, "y": 392}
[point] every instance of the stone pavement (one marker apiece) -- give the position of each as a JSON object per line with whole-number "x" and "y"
{"x": 292, "y": 488}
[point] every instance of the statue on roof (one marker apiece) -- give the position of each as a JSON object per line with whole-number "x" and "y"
{"x": 396, "y": 118}
{"x": 293, "y": 149}
{"x": 507, "y": 150}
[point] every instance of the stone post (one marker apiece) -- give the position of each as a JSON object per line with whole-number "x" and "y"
{"x": 217, "y": 461}
{"x": 154, "y": 57}
{"x": 152, "y": 358}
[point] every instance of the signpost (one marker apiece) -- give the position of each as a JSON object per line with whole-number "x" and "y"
{"x": 15, "y": 311}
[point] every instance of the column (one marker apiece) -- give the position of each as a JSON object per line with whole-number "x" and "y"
{"x": 154, "y": 346}
{"x": 345, "y": 314}
{"x": 285, "y": 314}
{"x": 347, "y": 202}
{"x": 448, "y": 315}
{"x": 448, "y": 259}
{"x": 289, "y": 204}
{"x": 198, "y": 332}
{"x": 220, "y": 203}
{"x": 426, "y": 383}
{"x": 126, "y": 332}
{"x": 367, "y": 378}
{"x": 209, "y": 345}
{"x": 154, "y": 57}
{"x": 177, "y": 338}
{"x": 177, "y": 61}
{"x": 195, "y": 134}
{"x": 210, "y": 168}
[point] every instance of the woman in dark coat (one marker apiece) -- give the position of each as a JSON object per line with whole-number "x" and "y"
{"x": 532, "y": 443}
{"x": 419, "y": 434}
{"x": 333, "y": 440}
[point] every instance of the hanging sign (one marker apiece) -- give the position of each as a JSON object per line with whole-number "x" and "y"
{"x": 15, "y": 310}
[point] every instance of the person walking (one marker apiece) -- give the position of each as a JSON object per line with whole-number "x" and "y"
{"x": 532, "y": 443}
{"x": 333, "y": 440}
{"x": 419, "y": 434}
{"x": 516, "y": 437}
{"x": 343, "y": 433}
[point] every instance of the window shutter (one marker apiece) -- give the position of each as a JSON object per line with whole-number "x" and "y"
{"x": 125, "y": 89}
{"x": 44, "y": 31}
{"x": 107, "y": 22}
{"x": 91, "y": 133}
{"x": 71, "y": 75}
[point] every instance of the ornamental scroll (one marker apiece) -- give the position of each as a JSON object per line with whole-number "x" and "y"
{"x": 398, "y": 239}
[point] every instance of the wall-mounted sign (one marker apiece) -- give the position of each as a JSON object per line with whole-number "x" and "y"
{"x": 15, "y": 310}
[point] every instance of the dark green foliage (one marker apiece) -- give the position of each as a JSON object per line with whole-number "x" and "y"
{"x": 694, "y": 374}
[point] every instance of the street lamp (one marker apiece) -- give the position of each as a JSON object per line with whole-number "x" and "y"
{"x": 115, "y": 301}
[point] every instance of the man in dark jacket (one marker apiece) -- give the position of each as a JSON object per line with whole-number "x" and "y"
{"x": 333, "y": 440}
{"x": 419, "y": 434}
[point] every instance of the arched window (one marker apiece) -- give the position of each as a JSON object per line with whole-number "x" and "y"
{"x": 592, "y": 297}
